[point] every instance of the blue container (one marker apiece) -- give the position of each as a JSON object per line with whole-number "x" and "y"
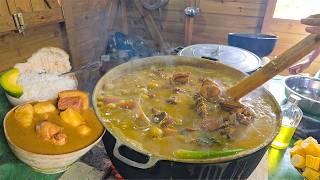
{"x": 260, "y": 44}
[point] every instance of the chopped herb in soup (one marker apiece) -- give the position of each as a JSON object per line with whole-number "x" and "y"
{"x": 181, "y": 112}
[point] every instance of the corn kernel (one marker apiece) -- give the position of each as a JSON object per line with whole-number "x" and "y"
{"x": 313, "y": 162}
{"x": 298, "y": 161}
{"x": 155, "y": 132}
{"x": 311, "y": 174}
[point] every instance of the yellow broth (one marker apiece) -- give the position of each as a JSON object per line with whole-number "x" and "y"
{"x": 27, "y": 139}
{"x": 123, "y": 122}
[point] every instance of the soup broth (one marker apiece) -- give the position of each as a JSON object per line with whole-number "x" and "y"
{"x": 156, "y": 110}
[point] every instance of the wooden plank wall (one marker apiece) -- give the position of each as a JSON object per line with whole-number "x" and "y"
{"x": 217, "y": 18}
{"x": 15, "y": 47}
{"x": 86, "y": 29}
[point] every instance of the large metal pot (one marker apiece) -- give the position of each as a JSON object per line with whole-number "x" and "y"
{"x": 140, "y": 164}
{"x": 308, "y": 89}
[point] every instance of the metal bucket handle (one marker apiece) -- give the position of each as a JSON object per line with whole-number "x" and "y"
{"x": 150, "y": 163}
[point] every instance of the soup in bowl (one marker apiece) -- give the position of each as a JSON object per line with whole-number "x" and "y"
{"x": 169, "y": 117}
{"x": 51, "y": 135}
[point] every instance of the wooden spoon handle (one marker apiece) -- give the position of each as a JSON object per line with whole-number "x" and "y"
{"x": 283, "y": 61}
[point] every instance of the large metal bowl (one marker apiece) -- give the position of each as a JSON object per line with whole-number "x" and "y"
{"x": 308, "y": 89}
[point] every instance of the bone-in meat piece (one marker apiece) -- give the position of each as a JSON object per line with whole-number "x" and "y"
{"x": 209, "y": 89}
{"x": 210, "y": 124}
{"x": 201, "y": 106}
{"x": 49, "y": 131}
{"x": 181, "y": 78}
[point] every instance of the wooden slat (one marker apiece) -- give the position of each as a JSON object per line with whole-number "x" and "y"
{"x": 38, "y": 5}
{"x": 210, "y": 19}
{"x": 124, "y": 16}
{"x": 233, "y": 8}
{"x": 52, "y": 3}
{"x": 4, "y": 11}
{"x": 23, "y": 5}
{"x": 286, "y": 26}
{"x": 6, "y": 23}
{"x": 222, "y": 29}
{"x": 16, "y": 48}
{"x": 43, "y": 17}
{"x": 12, "y": 6}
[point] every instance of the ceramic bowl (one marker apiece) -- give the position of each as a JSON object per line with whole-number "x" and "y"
{"x": 47, "y": 164}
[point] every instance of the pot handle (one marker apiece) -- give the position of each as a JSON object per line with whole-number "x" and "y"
{"x": 151, "y": 162}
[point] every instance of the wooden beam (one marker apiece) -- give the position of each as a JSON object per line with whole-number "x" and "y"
{"x": 52, "y": 3}
{"x": 43, "y": 17}
{"x": 151, "y": 26}
{"x": 112, "y": 13}
{"x": 6, "y": 23}
{"x": 124, "y": 17}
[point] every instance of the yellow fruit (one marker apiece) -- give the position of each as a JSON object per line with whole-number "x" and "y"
{"x": 44, "y": 107}
{"x": 24, "y": 115}
{"x": 297, "y": 150}
{"x": 298, "y": 161}
{"x": 311, "y": 174}
{"x": 298, "y": 143}
{"x": 72, "y": 117}
{"x": 311, "y": 148}
{"x": 313, "y": 162}
{"x": 311, "y": 140}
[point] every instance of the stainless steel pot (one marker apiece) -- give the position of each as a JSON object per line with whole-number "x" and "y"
{"x": 136, "y": 163}
{"x": 308, "y": 89}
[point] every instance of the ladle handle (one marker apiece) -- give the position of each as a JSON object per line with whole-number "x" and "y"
{"x": 283, "y": 61}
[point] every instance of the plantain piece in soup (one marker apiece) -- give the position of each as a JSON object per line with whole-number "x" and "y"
{"x": 78, "y": 100}
{"x": 51, "y": 132}
{"x": 24, "y": 115}
{"x": 72, "y": 117}
{"x": 44, "y": 107}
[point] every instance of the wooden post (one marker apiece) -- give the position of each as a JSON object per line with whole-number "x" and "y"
{"x": 188, "y": 27}
{"x": 124, "y": 17}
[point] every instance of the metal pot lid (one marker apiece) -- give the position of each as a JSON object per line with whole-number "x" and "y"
{"x": 237, "y": 58}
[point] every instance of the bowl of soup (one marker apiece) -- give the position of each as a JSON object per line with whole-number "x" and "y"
{"x": 50, "y": 135}
{"x": 168, "y": 117}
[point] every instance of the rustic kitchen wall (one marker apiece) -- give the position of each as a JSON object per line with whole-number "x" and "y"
{"x": 42, "y": 28}
{"x": 217, "y": 18}
{"x": 79, "y": 27}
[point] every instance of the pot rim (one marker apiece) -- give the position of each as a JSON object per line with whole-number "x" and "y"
{"x": 129, "y": 144}
{"x": 72, "y": 153}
